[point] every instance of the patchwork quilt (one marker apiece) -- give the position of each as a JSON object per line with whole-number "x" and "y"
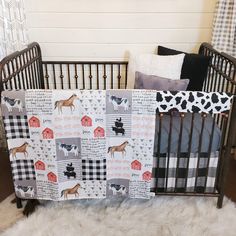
{"x": 75, "y": 144}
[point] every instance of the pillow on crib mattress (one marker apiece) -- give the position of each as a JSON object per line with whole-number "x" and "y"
{"x": 154, "y": 65}
{"x": 143, "y": 81}
{"x": 195, "y": 67}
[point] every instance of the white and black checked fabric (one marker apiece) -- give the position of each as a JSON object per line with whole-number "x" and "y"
{"x": 188, "y": 178}
{"x": 23, "y": 169}
{"x": 224, "y": 27}
{"x": 16, "y": 127}
{"x": 94, "y": 169}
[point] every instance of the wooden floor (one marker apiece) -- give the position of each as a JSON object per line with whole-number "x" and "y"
{"x": 6, "y": 183}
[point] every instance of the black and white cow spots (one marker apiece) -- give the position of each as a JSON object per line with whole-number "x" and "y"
{"x": 194, "y": 102}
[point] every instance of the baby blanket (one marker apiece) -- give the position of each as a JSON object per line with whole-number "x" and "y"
{"x": 74, "y": 144}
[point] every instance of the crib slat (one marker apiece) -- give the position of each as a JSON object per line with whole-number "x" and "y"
{"x": 119, "y": 77}
{"x": 216, "y": 78}
{"x": 9, "y": 72}
{"x": 189, "y": 150}
{"x": 90, "y": 76}
{"x": 46, "y": 75}
{"x": 126, "y": 74}
{"x": 31, "y": 69}
{"x": 17, "y": 81}
{"x": 83, "y": 78}
{"x": 23, "y": 70}
{"x": 37, "y": 80}
{"x": 97, "y": 66}
{"x": 209, "y": 153}
{"x": 54, "y": 76}
{"x": 32, "y": 84}
{"x": 169, "y": 150}
{"x": 61, "y": 76}
{"x": 158, "y": 149}
{"x": 179, "y": 149}
{"x": 19, "y": 75}
{"x": 221, "y": 82}
{"x": 112, "y": 85}
{"x": 199, "y": 150}
{"x": 68, "y": 74}
{"x": 76, "y": 76}
{"x": 105, "y": 76}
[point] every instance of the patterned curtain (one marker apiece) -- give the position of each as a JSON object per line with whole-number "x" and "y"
{"x": 224, "y": 27}
{"x": 13, "y": 33}
{"x": 13, "y": 36}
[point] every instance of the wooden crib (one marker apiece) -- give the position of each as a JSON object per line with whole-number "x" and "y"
{"x": 172, "y": 174}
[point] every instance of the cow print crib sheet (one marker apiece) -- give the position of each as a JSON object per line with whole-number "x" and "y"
{"x": 75, "y": 144}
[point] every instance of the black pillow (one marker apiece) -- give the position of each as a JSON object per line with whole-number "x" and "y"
{"x": 194, "y": 67}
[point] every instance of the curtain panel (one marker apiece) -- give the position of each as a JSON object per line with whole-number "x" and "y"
{"x": 13, "y": 33}
{"x": 224, "y": 27}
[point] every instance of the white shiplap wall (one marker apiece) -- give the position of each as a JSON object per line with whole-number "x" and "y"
{"x": 109, "y": 29}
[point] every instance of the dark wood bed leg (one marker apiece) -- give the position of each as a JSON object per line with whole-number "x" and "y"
{"x": 18, "y": 202}
{"x": 227, "y": 155}
{"x": 220, "y": 201}
{"x": 30, "y": 206}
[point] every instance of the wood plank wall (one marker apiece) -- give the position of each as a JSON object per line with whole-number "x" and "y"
{"x": 110, "y": 29}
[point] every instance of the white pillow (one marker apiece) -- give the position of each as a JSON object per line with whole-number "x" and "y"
{"x": 151, "y": 64}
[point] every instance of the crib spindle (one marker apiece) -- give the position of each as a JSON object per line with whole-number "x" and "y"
{"x": 199, "y": 151}
{"x": 182, "y": 115}
{"x": 68, "y": 75}
{"x": 158, "y": 149}
{"x": 169, "y": 150}
{"x": 209, "y": 154}
{"x": 189, "y": 151}
{"x": 105, "y": 76}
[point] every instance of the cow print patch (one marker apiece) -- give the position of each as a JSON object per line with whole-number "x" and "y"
{"x": 193, "y": 102}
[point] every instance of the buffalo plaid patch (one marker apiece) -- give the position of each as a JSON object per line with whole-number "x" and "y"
{"x": 16, "y": 127}
{"x": 188, "y": 178}
{"x": 94, "y": 169}
{"x": 23, "y": 169}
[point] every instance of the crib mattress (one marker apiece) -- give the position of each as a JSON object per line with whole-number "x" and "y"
{"x": 186, "y": 134}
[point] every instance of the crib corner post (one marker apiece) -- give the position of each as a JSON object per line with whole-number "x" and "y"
{"x": 227, "y": 154}
{"x": 220, "y": 201}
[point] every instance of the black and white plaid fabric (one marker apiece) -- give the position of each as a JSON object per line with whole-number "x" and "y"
{"x": 169, "y": 178}
{"x": 224, "y": 27}
{"x": 23, "y": 169}
{"x": 94, "y": 169}
{"x": 16, "y": 127}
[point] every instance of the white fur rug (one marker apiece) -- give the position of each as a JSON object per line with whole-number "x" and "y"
{"x": 159, "y": 216}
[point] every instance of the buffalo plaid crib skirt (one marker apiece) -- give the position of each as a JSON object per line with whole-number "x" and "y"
{"x": 189, "y": 176}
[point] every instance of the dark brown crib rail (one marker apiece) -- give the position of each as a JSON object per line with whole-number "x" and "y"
{"x": 26, "y": 70}
{"x": 85, "y": 74}
{"x": 221, "y": 76}
{"x": 22, "y": 69}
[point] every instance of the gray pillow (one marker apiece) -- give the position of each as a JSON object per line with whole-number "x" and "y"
{"x": 154, "y": 82}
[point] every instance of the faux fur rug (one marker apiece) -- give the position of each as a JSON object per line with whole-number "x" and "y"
{"x": 159, "y": 216}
